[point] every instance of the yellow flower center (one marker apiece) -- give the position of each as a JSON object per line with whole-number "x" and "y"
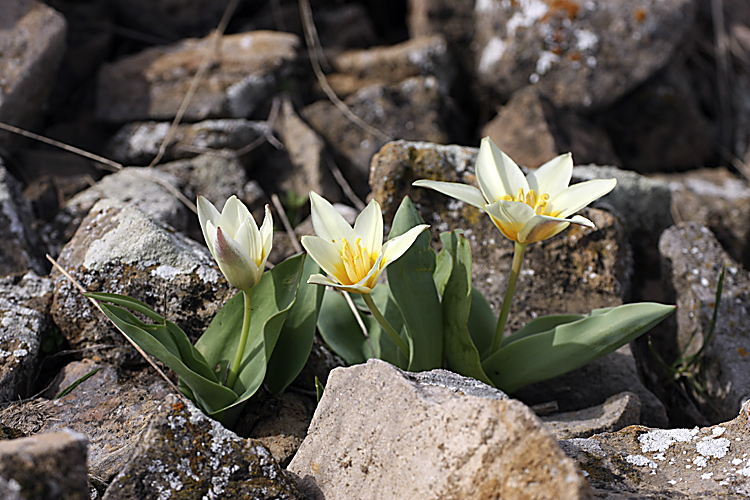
{"x": 356, "y": 263}
{"x": 537, "y": 202}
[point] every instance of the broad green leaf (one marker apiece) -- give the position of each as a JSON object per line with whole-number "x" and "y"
{"x": 207, "y": 393}
{"x": 461, "y": 355}
{"x": 410, "y": 279}
{"x": 297, "y": 334}
{"x": 443, "y": 268}
{"x": 271, "y": 300}
{"x": 543, "y": 355}
{"x": 482, "y": 322}
{"x": 544, "y": 323}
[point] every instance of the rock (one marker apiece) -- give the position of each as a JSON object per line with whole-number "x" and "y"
{"x": 46, "y": 466}
{"x": 32, "y": 46}
{"x": 24, "y": 306}
{"x": 112, "y": 409}
{"x": 137, "y": 143}
{"x": 421, "y": 56}
{"x": 532, "y": 131}
{"x": 453, "y": 19}
{"x": 151, "y": 85}
{"x": 19, "y": 243}
{"x": 618, "y": 411}
{"x": 382, "y": 107}
{"x": 659, "y": 127}
{"x": 145, "y": 189}
{"x": 184, "y": 454}
{"x": 379, "y": 432}
{"x": 10, "y": 490}
{"x": 172, "y": 20}
{"x": 639, "y": 462}
{"x": 718, "y": 200}
{"x": 693, "y": 259}
{"x": 119, "y": 249}
{"x": 581, "y": 55}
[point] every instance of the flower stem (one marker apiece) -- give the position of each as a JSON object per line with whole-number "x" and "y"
{"x": 508, "y": 299}
{"x": 384, "y": 323}
{"x": 234, "y": 368}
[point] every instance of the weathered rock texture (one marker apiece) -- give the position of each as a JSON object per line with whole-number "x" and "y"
{"x": 380, "y": 433}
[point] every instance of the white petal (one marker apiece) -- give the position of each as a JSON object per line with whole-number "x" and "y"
{"x": 552, "y": 177}
{"x": 232, "y": 215}
{"x": 327, "y": 222}
{"x": 369, "y": 227}
{"x": 266, "y": 232}
{"x": 209, "y": 232}
{"x": 464, "y": 192}
{"x": 235, "y": 263}
{"x": 207, "y": 213}
{"x": 395, "y": 248}
{"x": 541, "y": 227}
{"x": 582, "y": 221}
{"x": 578, "y": 196}
{"x": 319, "y": 279}
{"x": 497, "y": 174}
{"x": 324, "y": 252}
{"x": 510, "y": 217}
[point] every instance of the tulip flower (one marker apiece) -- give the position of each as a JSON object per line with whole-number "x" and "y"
{"x": 233, "y": 237}
{"x": 241, "y": 250}
{"x": 355, "y": 257}
{"x": 526, "y": 209}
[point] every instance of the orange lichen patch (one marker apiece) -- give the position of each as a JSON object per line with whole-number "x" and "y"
{"x": 567, "y": 7}
{"x": 639, "y": 14}
{"x": 742, "y": 352}
{"x": 575, "y": 56}
{"x": 178, "y": 406}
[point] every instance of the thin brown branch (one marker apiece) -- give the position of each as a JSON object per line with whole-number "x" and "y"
{"x": 338, "y": 176}
{"x": 285, "y": 222}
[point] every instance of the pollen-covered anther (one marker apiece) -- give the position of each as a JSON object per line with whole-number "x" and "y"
{"x": 357, "y": 261}
{"x": 530, "y": 198}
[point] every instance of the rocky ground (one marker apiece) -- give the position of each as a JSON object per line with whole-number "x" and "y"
{"x": 356, "y": 100}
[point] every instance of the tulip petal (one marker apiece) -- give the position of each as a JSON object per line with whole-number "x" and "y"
{"x": 369, "y": 227}
{"x": 497, "y": 174}
{"x": 396, "y": 247}
{"x": 553, "y": 177}
{"x": 464, "y": 192}
{"x": 319, "y": 279}
{"x": 510, "y": 217}
{"x": 327, "y": 222}
{"x": 582, "y": 221}
{"x": 326, "y": 253}
{"x": 232, "y": 215}
{"x": 541, "y": 227}
{"x": 266, "y": 233}
{"x": 235, "y": 264}
{"x": 578, "y": 196}
{"x": 207, "y": 213}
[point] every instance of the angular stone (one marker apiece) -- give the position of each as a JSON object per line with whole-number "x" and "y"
{"x": 419, "y": 56}
{"x": 379, "y": 432}
{"x": 32, "y": 46}
{"x": 119, "y": 249}
{"x": 618, "y": 411}
{"x": 580, "y": 55}
{"x": 145, "y": 189}
{"x": 639, "y": 462}
{"x": 453, "y": 19}
{"x": 24, "y": 320}
{"x": 112, "y": 409}
{"x": 184, "y": 454}
{"x": 47, "y": 465}
{"x": 382, "y": 107}
{"x": 151, "y": 85}
{"x": 693, "y": 259}
{"x": 19, "y": 243}
{"x": 137, "y": 143}
{"x": 532, "y": 131}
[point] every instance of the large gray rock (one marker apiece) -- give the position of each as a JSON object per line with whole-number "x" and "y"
{"x": 693, "y": 259}
{"x": 581, "y": 55}
{"x": 379, "y": 432}
{"x": 618, "y": 411}
{"x": 151, "y": 85}
{"x": 184, "y": 454}
{"x": 32, "y": 46}
{"x": 120, "y": 249}
{"x": 24, "y": 320}
{"x": 46, "y": 466}
{"x": 663, "y": 464}
{"x": 19, "y": 243}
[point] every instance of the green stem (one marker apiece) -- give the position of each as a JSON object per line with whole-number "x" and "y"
{"x": 515, "y": 270}
{"x": 234, "y": 368}
{"x": 386, "y": 326}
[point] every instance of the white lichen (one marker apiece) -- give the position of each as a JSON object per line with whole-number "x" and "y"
{"x": 662, "y": 439}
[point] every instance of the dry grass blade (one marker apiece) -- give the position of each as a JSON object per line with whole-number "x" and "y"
{"x": 136, "y": 346}
{"x": 338, "y": 176}
{"x": 285, "y": 222}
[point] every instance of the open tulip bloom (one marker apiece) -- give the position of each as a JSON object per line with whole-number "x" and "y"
{"x": 526, "y": 209}
{"x": 354, "y": 257}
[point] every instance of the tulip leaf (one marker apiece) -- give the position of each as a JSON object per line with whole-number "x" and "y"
{"x": 545, "y": 354}
{"x": 482, "y": 322}
{"x": 272, "y": 298}
{"x": 170, "y": 345}
{"x": 297, "y": 334}
{"x": 410, "y": 279}
{"x": 461, "y": 355}
{"x": 544, "y": 323}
